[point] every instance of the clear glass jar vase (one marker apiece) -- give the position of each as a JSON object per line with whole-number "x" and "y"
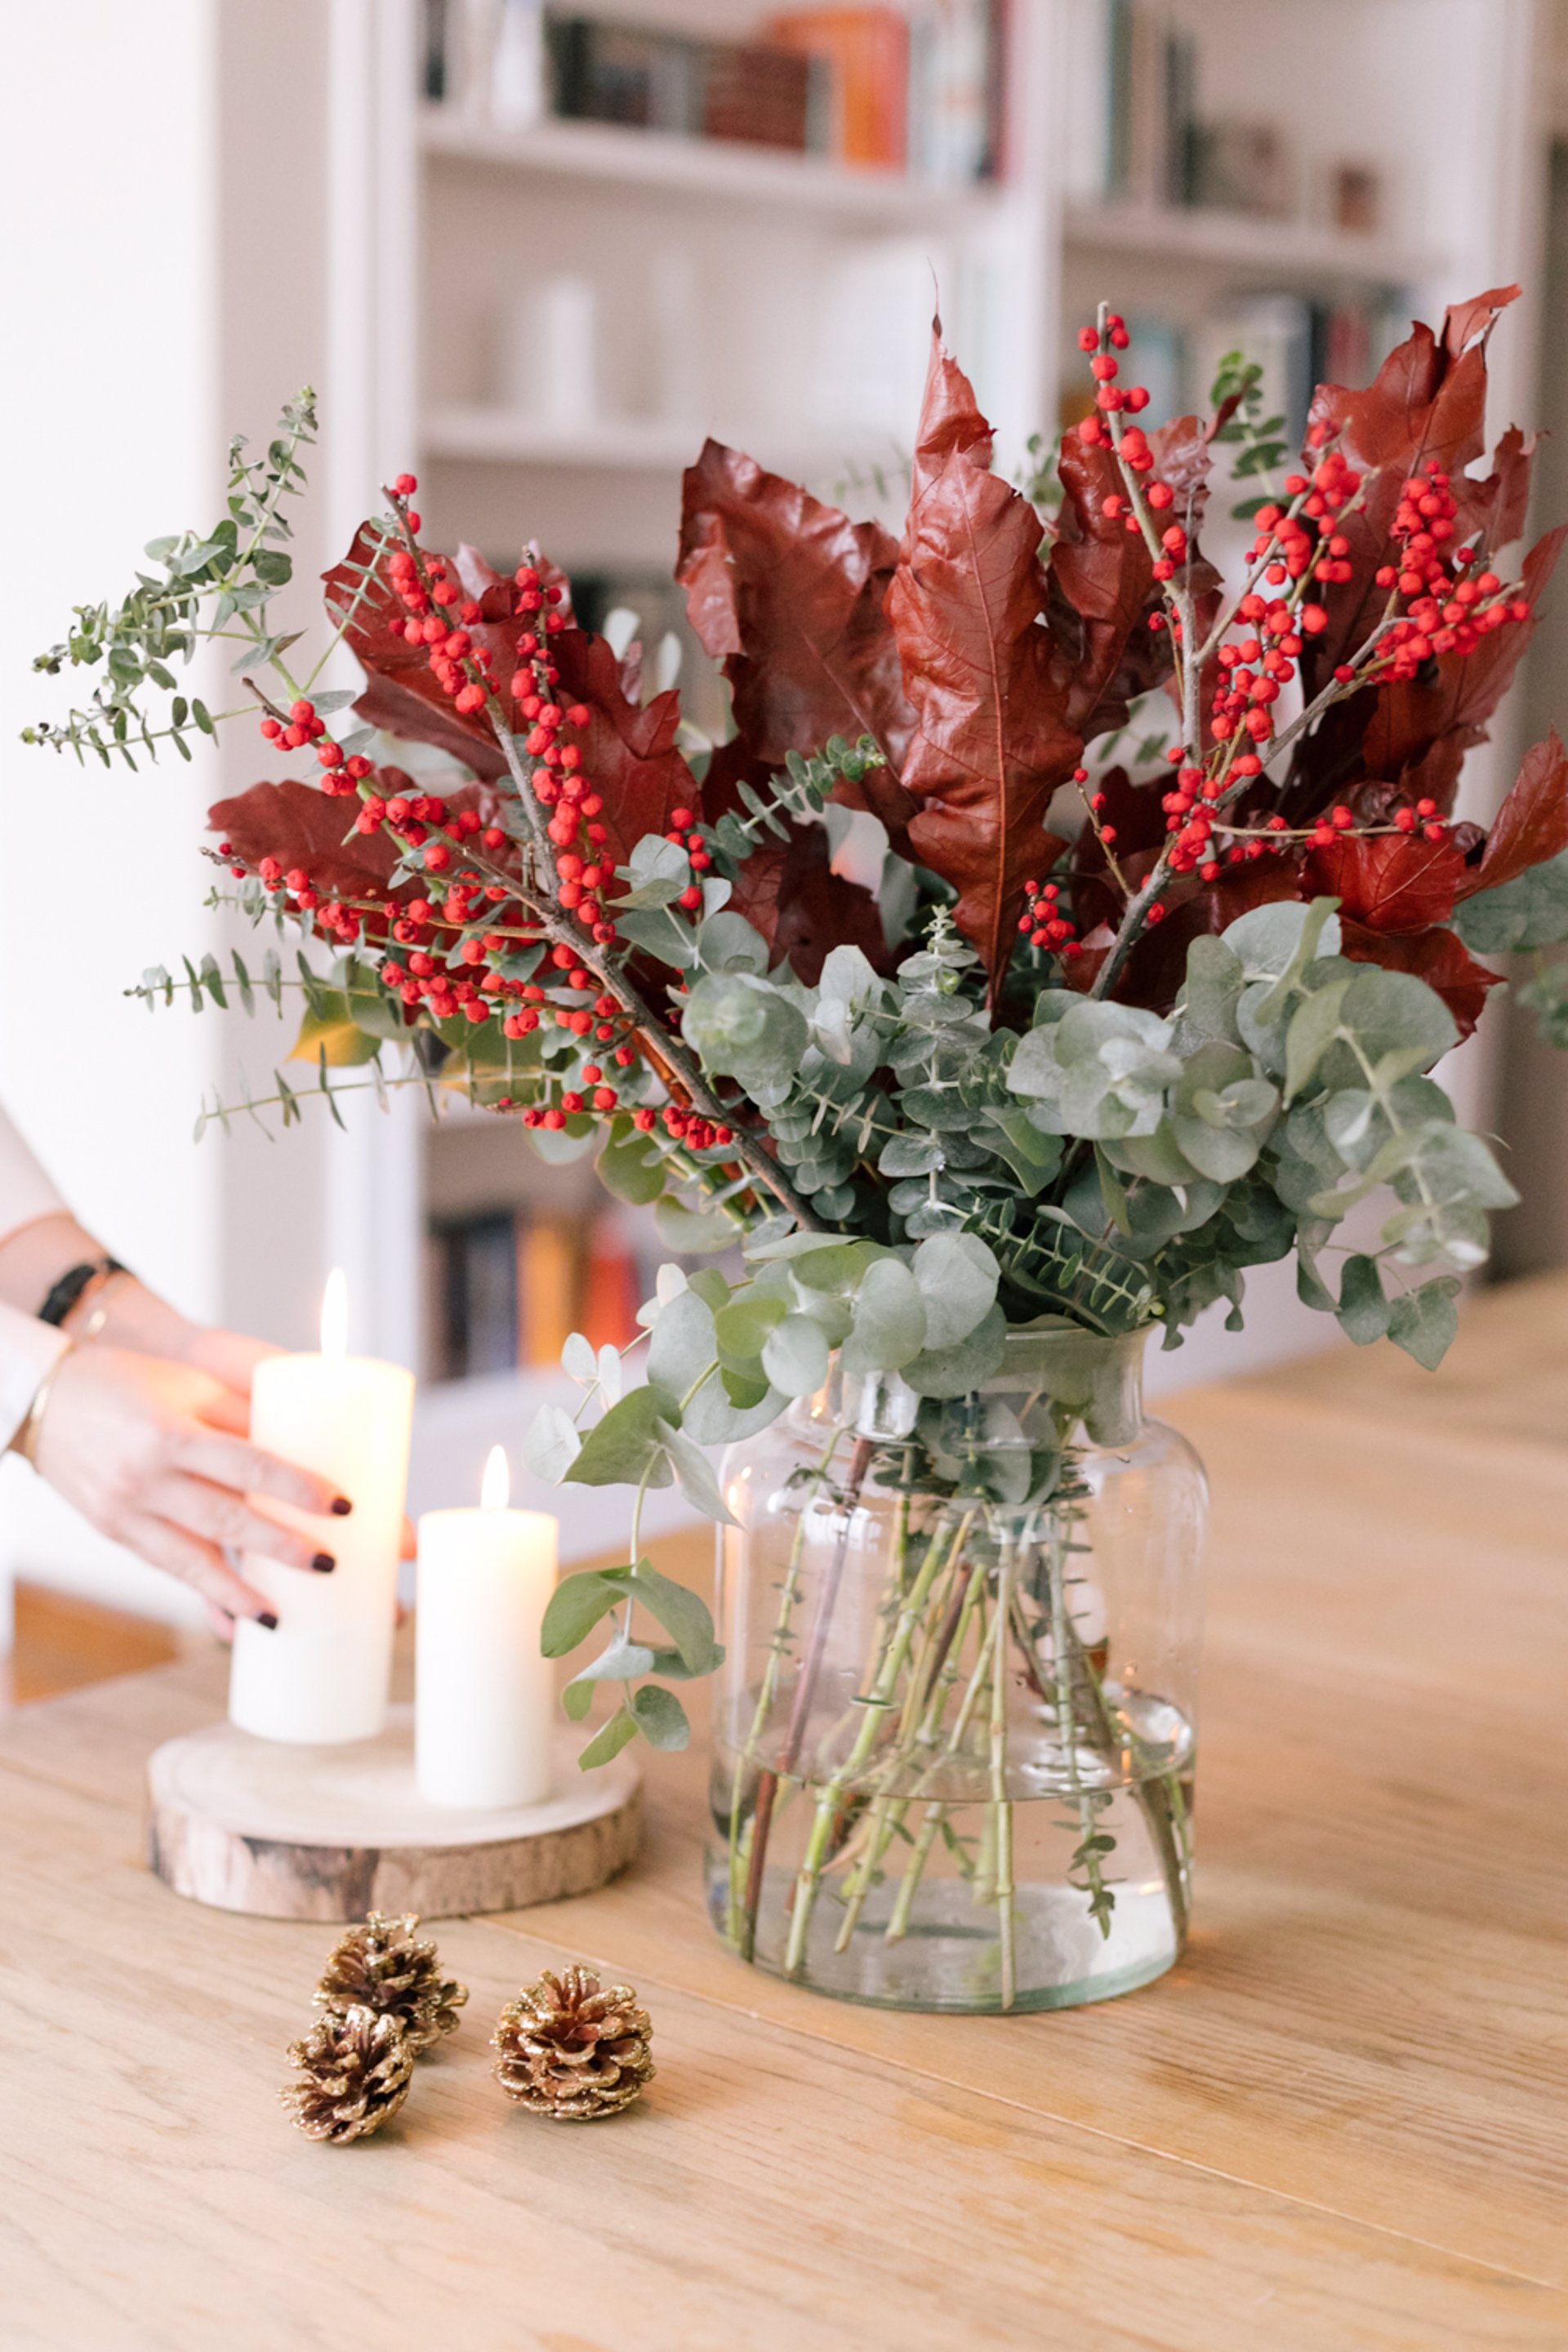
{"x": 953, "y": 1743}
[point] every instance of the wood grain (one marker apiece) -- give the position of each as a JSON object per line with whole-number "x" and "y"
{"x": 1341, "y": 2122}
{"x": 284, "y": 1832}
{"x": 63, "y": 1642}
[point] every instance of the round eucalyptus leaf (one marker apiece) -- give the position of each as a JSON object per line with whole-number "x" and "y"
{"x": 795, "y": 1356}
{"x": 953, "y": 1372}
{"x": 890, "y": 1319}
{"x": 957, "y": 1278}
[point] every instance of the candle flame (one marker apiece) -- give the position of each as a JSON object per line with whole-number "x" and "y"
{"x": 495, "y": 1492}
{"x": 335, "y": 1316}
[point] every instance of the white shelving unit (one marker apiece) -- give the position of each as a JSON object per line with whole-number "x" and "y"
{"x": 725, "y": 275}
{"x": 319, "y": 224}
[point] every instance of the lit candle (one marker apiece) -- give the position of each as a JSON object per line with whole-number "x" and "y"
{"x": 323, "y": 1675}
{"x": 484, "y": 1697}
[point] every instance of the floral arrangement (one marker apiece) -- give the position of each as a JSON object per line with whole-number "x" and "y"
{"x": 1106, "y": 1033}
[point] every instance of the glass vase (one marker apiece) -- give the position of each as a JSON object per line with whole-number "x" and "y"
{"x": 953, "y": 1747}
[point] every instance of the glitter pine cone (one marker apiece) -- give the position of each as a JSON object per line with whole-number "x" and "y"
{"x": 570, "y": 2050}
{"x": 384, "y": 1967}
{"x": 354, "y": 2070}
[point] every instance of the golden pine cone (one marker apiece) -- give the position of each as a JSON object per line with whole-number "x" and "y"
{"x": 384, "y": 1966}
{"x": 355, "y": 2068}
{"x": 569, "y": 2050}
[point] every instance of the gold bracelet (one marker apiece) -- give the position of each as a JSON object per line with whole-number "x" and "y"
{"x": 26, "y": 1442}
{"x": 100, "y": 1313}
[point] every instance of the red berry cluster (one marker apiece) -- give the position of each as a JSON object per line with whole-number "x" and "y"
{"x": 343, "y": 774}
{"x": 1044, "y": 923}
{"x": 1131, "y": 444}
{"x": 1450, "y": 607}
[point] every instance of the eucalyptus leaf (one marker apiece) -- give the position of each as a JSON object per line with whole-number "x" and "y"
{"x": 694, "y": 1474}
{"x": 551, "y": 1443}
{"x": 795, "y": 1356}
{"x": 957, "y": 1278}
{"x": 1425, "y": 1321}
{"x": 609, "y": 1740}
{"x": 956, "y": 1371}
{"x": 1362, "y": 1310}
{"x": 625, "y": 1448}
{"x": 576, "y": 1605}
{"x": 660, "y": 1718}
{"x": 683, "y": 1344}
{"x": 684, "y": 1615}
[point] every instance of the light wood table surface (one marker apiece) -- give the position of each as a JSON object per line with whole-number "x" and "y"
{"x": 1341, "y": 2125}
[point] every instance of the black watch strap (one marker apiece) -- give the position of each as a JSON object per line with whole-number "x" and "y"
{"x": 70, "y": 1287}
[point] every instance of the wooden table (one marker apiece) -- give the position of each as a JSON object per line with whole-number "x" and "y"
{"x": 1339, "y": 2125}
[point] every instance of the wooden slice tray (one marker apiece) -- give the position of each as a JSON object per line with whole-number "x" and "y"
{"x": 290, "y": 1833}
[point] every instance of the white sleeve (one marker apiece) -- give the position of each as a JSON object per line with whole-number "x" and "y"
{"x": 28, "y": 1348}
{"x": 25, "y": 1191}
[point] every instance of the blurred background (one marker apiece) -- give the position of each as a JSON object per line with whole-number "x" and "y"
{"x": 534, "y": 253}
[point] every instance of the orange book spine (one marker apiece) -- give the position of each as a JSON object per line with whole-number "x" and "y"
{"x": 868, "y": 50}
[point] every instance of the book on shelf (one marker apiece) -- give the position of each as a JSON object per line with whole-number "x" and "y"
{"x": 864, "y": 54}
{"x": 511, "y": 1287}
{"x": 919, "y": 88}
{"x": 1150, "y": 71}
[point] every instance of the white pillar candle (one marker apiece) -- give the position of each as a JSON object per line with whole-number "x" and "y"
{"x": 484, "y": 1697}
{"x": 323, "y": 1674}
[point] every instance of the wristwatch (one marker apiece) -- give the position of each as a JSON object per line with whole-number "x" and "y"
{"x": 74, "y": 1287}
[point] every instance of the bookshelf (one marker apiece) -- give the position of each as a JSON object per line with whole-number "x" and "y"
{"x": 1289, "y": 252}
{"x": 703, "y": 170}
{"x": 720, "y": 277}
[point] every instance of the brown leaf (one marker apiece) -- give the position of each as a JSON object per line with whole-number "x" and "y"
{"x": 989, "y": 683}
{"x": 1531, "y": 825}
{"x": 1396, "y": 882}
{"x": 1104, "y": 575}
{"x": 1421, "y": 732}
{"x": 1440, "y": 959}
{"x": 789, "y": 893}
{"x": 1428, "y": 401}
{"x": 1466, "y": 321}
{"x": 628, "y": 750}
{"x": 302, "y": 826}
{"x": 789, "y": 595}
{"x": 1490, "y": 514}
{"x": 401, "y": 696}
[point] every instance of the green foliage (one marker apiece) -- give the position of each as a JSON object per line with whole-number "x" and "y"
{"x": 1259, "y": 440}
{"x": 800, "y": 793}
{"x": 217, "y": 584}
{"x": 1531, "y": 911}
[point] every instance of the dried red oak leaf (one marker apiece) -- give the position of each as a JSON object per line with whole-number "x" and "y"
{"x": 1426, "y": 403}
{"x": 303, "y": 826}
{"x": 789, "y": 595}
{"x": 990, "y": 684}
{"x": 1531, "y": 825}
{"x": 1418, "y": 732}
{"x": 629, "y": 750}
{"x": 789, "y": 893}
{"x": 1395, "y": 882}
{"x": 401, "y": 696}
{"x": 1435, "y": 956}
{"x": 1103, "y": 576}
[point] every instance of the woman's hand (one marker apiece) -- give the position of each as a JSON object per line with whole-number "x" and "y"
{"x": 155, "y": 1455}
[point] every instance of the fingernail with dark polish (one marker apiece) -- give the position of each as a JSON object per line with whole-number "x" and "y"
{"x": 342, "y": 1506}
{"x": 269, "y": 1620}
{"x": 323, "y": 1563}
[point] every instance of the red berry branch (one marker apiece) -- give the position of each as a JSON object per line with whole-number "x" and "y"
{"x": 452, "y": 951}
{"x": 1441, "y": 599}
